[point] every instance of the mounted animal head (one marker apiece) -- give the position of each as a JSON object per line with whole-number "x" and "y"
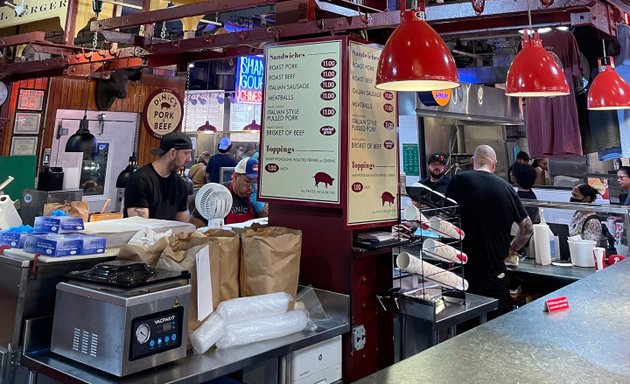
{"x": 108, "y": 90}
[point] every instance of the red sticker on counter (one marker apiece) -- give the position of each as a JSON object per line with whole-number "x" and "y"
{"x": 556, "y": 304}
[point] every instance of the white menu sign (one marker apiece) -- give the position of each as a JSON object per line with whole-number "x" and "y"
{"x": 301, "y": 135}
{"x": 372, "y": 143}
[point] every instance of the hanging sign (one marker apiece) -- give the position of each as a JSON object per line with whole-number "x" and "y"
{"x": 372, "y": 189}
{"x": 302, "y": 123}
{"x": 163, "y": 112}
{"x": 250, "y": 72}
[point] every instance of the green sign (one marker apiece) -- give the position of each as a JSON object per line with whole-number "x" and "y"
{"x": 410, "y": 160}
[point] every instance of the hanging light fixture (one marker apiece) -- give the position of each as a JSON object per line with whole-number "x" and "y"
{"x": 534, "y": 72}
{"x": 608, "y": 90}
{"x": 83, "y": 140}
{"x": 132, "y": 166}
{"x": 415, "y": 58}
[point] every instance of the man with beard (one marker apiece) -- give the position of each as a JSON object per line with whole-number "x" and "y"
{"x": 241, "y": 187}
{"x": 436, "y": 169}
{"x": 155, "y": 190}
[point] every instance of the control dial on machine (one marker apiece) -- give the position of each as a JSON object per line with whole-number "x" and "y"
{"x": 143, "y": 332}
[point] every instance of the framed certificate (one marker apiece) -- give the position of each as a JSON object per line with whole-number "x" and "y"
{"x": 26, "y": 123}
{"x": 24, "y": 146}
{"x": 31, "y": 99}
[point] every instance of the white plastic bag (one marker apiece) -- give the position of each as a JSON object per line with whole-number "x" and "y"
{"x": 254, "y": 330}
{"x": 253, "y": 307}
{"x": 146, "y": 237}
{"x": 208, "y": 333}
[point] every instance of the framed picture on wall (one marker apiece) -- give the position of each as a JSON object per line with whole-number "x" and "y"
{"x": 26, "y": 123}
{"x": 24, "y": 146}
{"x": 31, "y": 99}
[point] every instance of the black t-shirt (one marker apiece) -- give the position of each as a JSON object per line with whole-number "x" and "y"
{"x": 439, "y": 186}
{"x": 532, "y": 212}
{"x": 215, "y": 163}
{"x": 488, "y": 207}
{"x": 240, "y": 205}
{"x": 164, "y": 196}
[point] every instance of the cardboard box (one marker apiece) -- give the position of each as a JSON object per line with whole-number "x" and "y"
{"x": 58, "y": 224}
{"x": 53, "y": 245}
{"x": 15, "y": 239}
{"x": 90, "y": 245}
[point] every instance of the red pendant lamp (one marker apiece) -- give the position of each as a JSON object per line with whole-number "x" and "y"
{"x": 608, "y": 90}
{"x": 534, "y": 72}
{"x": 415, "y": 58}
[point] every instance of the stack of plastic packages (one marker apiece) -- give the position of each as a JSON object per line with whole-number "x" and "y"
{"x": 247, "y": 320}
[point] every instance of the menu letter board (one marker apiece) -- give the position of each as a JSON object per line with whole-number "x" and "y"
{"x": 372, "y": 143}
{"x": 301, "y": 115}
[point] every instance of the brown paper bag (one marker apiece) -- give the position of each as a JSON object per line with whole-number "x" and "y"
{"x": 72, "y": 208}
{"x": 180, "y": 254}
{"x": 226, "y": 246}
{"x": 147, "y": 255}
{"x": 270, "y": 260}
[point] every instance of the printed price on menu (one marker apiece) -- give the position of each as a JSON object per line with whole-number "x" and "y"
{"x": 301, "y": 114}
{"x": 373, "y": 143}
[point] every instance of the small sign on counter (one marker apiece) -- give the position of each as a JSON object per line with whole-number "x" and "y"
{"x": 556, "y": 304}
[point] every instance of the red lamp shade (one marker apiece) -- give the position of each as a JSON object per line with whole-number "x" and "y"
{"x": 534, "y": 72}
{"x": 609, "y": 90}
{"x": 253, "y": 126}
{"x": 415, "y": 58}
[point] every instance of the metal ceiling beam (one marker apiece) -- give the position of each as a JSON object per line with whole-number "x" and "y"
{"x": 24, "y": 38}
{"x": 186, "y": 10}
{"x": 253, "y": 38}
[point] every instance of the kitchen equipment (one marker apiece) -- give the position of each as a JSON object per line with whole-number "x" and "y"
{"x": 122, "y": 317}
{"x": 213, "y": 201}
{"x": 581, "y": 252}
{"x": 27, "y": 292}
{"x": 50, "y": 179}
{"x": 33, "y": 201}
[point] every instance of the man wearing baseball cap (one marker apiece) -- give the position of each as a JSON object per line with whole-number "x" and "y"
{"x": 241, "y": 187}
{"x": 218, "y": 160}
{"x": 436, "y": 168}
{"x": 155, "y": 190}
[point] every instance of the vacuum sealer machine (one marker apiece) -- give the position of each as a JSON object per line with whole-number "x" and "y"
{"x": 122, "y": 317}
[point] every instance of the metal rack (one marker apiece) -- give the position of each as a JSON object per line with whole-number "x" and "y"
{"x": 427, "y": 291}
{"x": 428, "y": 313}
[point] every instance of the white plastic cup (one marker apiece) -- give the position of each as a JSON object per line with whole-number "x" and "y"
{"x": 445, "y": 278}
{"x": 598, "y": 255}
{"x": 444, "y": 251}
{"x": 412, "y": 213}
{"x": 445, "y": 229}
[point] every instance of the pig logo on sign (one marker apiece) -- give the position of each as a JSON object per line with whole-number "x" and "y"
{"x": 165, "y": 105}
{"x": 323, "y": 177}
{"x": 387, "y": 197}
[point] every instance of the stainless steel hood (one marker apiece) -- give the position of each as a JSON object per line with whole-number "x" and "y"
{"x": 469, "y": 102}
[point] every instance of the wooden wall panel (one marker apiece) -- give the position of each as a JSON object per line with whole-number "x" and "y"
{"x": 70, "y": 93}
{"x": 6, "y": 133}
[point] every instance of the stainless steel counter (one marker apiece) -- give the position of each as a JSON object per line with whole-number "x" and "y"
{"x": 586, "y": 344}
{"x": 571, "y": 273}
{"x": 200, "y": 368}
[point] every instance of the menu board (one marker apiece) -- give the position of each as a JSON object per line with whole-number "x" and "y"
{"x": 301, "y": 122}
{"x": 372, "y": 143}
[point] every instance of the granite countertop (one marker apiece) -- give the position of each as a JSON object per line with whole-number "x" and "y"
{"x": 586, "y": 344}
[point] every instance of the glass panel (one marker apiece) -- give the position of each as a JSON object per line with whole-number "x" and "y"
{"x": 94, "y": 169}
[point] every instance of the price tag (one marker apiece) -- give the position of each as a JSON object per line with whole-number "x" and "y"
{"x": 556, "y": 304}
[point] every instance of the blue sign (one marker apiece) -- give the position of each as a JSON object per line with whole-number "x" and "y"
{"x": 250, "y": 73}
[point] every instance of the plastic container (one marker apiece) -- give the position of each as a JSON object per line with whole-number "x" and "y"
{"x": 542, "y": 241}
{"x": 582, "y": 253}
{"x": 9, "y": 216}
